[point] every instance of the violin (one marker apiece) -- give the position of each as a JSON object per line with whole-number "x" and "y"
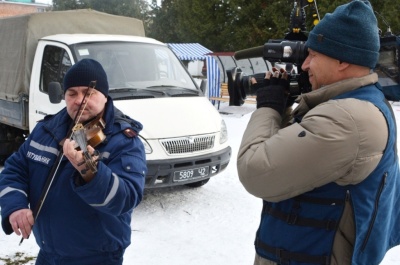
{"x": 87, "y": 135}
{"x": 94, "y": 131}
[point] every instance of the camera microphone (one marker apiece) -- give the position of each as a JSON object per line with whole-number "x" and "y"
{"x": 250, "y": 53}
{"x": 273, "y": 51}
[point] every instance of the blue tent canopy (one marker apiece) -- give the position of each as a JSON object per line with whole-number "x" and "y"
{"x": 194, "y": 52}
{"x": 189, "y": 51}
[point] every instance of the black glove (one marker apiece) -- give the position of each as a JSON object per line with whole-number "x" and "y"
{"x": 273, "y": 94}
{"x": 255, "y": 87}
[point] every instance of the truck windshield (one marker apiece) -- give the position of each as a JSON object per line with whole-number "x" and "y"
{"x": 137, "y": 65}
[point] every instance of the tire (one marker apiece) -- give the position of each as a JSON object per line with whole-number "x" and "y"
{"x": 198, "y": 183}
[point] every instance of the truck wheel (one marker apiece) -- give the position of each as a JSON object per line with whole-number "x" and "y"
{"x": 198, "y": 183}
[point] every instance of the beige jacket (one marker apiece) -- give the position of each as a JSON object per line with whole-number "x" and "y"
{"x": 344, "y": 142}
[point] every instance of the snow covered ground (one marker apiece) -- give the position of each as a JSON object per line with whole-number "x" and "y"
{"x": 214, "y": 224}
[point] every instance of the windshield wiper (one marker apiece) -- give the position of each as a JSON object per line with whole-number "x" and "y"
{"x": 130, "y": 89}
{"x": 196, "y": 92}
{"x": 124, "y": 89}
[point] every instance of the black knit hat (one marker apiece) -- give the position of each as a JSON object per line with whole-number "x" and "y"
{"x": 349, "y": 34}
{"x": 85, "y": 71}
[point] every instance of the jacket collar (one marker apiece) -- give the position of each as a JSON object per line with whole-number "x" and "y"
{"x": 311, "y": 99}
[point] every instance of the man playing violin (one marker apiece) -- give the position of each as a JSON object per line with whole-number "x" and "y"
{"x": 85, "y": 216}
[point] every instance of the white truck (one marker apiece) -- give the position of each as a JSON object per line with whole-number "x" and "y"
{"x": 184, "y": 135}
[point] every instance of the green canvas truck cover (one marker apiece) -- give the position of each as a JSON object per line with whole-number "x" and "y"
{"x": 19, "y": 36}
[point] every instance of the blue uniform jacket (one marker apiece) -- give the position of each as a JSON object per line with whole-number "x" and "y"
{"x": 77, "y": 220}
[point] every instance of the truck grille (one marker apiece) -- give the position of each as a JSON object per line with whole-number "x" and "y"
{"x": 188, "y": 144}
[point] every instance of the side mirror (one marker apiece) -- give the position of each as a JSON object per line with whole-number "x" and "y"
{"x": 56, "y": 93}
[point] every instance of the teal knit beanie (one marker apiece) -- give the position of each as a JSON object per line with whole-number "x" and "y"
{"x": 349, "y": 34}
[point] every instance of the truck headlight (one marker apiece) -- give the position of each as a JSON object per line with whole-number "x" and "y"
{"x": 224, "y": 133}
{"x": 147, "y": 147}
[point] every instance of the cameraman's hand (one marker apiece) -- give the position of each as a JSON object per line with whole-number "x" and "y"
{"x": 274, "y": 92}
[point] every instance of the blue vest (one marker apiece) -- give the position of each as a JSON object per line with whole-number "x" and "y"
{"x": 301, "y": 230}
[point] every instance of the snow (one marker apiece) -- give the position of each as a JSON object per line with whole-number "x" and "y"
{"x": 214, "y": 224}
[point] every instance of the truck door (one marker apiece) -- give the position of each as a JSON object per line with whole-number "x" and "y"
{"x": 50, "y": 65}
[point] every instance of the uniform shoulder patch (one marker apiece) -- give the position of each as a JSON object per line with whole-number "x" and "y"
{"x": 130, "y": 133}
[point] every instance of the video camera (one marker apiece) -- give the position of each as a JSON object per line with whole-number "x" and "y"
{"x": 283, "y": 54}
{"x": 289, "y": 53}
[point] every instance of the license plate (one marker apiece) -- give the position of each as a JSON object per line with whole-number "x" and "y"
{"x": 188, "y": 174}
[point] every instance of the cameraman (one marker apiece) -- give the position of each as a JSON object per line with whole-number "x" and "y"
{"x": 330, "y": 181}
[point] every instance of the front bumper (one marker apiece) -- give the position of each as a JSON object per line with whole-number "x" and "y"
{"x": 160, "y": 173}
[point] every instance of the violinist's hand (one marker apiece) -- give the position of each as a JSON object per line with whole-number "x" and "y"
{"x": 77, "y": 159}
{"x": 21, "y": 222}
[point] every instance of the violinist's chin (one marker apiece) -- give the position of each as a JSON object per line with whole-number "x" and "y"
{"x": 80, "y": 115}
